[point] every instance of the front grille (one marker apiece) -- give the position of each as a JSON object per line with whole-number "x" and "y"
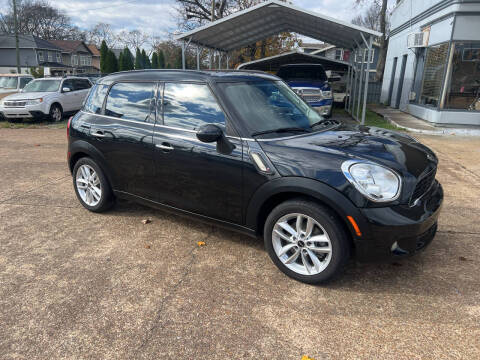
{"x": 14, "y": 103}
{"x": 311, "y": 91}
{"x": 312, "y": 98}
{"x": 423, "y": 185}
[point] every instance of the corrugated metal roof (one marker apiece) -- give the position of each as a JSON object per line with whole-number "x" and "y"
{"x": 271, "y": 18}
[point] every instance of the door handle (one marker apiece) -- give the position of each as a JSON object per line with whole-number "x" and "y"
{"x": 99, "y": 134}
{"x": 164, "y": 146}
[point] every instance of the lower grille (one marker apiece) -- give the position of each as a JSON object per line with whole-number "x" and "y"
{"x": 312, "y": 98}
{"x": 423, "y": 185}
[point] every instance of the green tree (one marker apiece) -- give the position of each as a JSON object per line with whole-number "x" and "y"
{"x": 111, "y": 63}
{"x": 128, "y": 59}
{"x": 178, "y": 59}
{"x": 161, "y": 60}
{"x": 146, "y": 60}
{"x": 154, "y": 60}
{"x": 138, "y": 60}
{"x": 121, "y": 62}
{"x": 103, "y": 56}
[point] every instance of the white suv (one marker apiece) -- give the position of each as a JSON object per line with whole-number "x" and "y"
{"x": 49, "y": 97}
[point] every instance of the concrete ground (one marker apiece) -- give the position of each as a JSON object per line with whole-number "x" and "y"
{"x": 77, "y": 285}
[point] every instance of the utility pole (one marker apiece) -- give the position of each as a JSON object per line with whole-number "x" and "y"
{"x": 15, "y": 24}
{"x": 210, "y": 51}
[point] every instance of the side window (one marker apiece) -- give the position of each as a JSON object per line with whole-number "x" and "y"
{"x": 190, "y": 106}
{"x": 24, "y": 81}
{"x": 94, "y": 101}
{"x": 131, "y": 101}
{"x": 68, "y": 84}
{"x": 81, "y": 84}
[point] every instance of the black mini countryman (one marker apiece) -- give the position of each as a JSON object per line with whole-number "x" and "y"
{"x": 243, "y": 150}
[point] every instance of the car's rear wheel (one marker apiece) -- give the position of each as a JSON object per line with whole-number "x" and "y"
{"x": 56, "y": 113}
{"x": 306, "y": 241}
{"x": 91, "y": 186}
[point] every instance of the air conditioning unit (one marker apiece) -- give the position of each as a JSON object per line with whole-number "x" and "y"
{"x": 417, "y": 40}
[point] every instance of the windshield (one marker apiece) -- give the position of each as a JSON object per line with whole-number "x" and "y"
{"x": 8, "y": 82}
{"x": 316, "y": 73}
{"x": 268, "y": 105}
{"x": 42, "y": 85}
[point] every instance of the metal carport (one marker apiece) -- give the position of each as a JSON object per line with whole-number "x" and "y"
{"x": 273, "y": 17}
{"x": 273, "y": 63}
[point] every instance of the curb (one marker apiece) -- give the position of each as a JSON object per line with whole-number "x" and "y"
{"x": 443, "y": 131}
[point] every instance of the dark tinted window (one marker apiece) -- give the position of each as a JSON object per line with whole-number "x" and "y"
{"x": 190, "y": 106}
{"x": 131, "y": 101}
{"x": 24, "y": 81}
{"x": 95, "y": 98}
{"x": 316, "y": 73}
{"x": 68, "y": 84}
{"x": 81, "y": 84}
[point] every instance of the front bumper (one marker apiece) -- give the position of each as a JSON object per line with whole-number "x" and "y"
{"x": 399, "y": 231}
{"x": 26, "y": 112}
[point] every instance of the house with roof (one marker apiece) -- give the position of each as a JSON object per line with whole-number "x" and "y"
{"x": 34, "y": 52}
{"x": 77, "y": 56}
{"x": 95, "y": 55}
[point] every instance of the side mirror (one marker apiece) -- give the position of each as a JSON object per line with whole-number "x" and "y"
{"x": 66, "y": 89}
{"x": 209, "y": 133}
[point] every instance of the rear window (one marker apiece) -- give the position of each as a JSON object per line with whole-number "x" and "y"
{"x": 94, "y": 101}
{"x": 316, "y": 73}
{"x": 131, "y": 101}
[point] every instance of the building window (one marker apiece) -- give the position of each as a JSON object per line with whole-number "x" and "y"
{"x": 338, "y": 54}
{"x": 463, "y": 91}
{"x": 358, "y": 58}
{"x": 59, "y": 58}
{"x": 74, "y": 60}
{"x": 40, "y": 56}
{"x": 50, "y": 56}
{"x": 433, "y": 74}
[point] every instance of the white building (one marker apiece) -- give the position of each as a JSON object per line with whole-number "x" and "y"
{"x": 433, "y": 61}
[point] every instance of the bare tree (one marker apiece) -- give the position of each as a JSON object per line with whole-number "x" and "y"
{"x": 39, "y": 18}
{"x": 377, "y": 9}
{"x": 100, "y": 32}
{"x": 133, "y": 39}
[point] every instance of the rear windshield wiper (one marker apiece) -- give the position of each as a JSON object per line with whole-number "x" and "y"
{"x": 281, "y": 130}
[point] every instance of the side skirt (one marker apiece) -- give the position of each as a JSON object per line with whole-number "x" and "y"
{"x": 189, "y": 214}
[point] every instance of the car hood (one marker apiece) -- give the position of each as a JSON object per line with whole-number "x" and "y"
{"x": 5, "y": 93}
{"x": 320, "y": 154}
{"x": 28, "y": 95}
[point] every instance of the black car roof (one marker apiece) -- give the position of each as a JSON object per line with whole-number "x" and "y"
{"x": 300, "y": 65}
{"x": 187, "y": 75}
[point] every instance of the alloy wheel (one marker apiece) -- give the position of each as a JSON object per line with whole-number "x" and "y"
{"x": 301, "y": 244}
{"x": 56, "y": 114}
{"x": 88, "y": 185}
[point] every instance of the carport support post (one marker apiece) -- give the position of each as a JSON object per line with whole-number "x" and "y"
{"x": 346, "y": 88}
{"x": 354, "y": 84}
{"x": 362, "y": 54}
{"x": 183, "y": 55}
{"x": 367, "y": 75}
{"x": 199, "y": 50}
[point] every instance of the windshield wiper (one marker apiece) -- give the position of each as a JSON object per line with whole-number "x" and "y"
{"x": 281, "y": 130}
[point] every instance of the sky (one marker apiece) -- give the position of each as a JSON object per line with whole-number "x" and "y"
{"x": 159, "y": 17}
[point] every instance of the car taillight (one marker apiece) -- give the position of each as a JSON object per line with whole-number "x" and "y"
{"x": 68, "y": 126}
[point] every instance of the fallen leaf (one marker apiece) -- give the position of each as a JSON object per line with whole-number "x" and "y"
{"x": 146, "y": 221}
{"x": 37, "y": 144}
{"x": 461, "y": 258}
{"x": 305, "y": 357}
{"x": 147, "y": 246}
{"x": 201, "y": 243}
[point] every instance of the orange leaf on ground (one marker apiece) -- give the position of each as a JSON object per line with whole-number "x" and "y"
{"x": 201, "y": 243}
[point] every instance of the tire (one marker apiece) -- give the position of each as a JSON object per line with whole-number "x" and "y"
{"x": 332, "y": 251}
{"x": 56, "y": 113}
{"x": 97, "y": 196}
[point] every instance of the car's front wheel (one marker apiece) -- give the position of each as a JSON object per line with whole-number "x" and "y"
{"x": 306, "y": 241}
{"x": 91, "y": 186}
{"x": 56, "y": 113}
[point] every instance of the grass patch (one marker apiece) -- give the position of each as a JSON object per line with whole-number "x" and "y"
{"x": 33, "y": 124}
{"x": 371, "y": 119}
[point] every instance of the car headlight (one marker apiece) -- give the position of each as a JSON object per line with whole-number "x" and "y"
{"x": 375, "y": 182}
{"x": 34, "y": 101}
{"x": 327, "y": 94}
